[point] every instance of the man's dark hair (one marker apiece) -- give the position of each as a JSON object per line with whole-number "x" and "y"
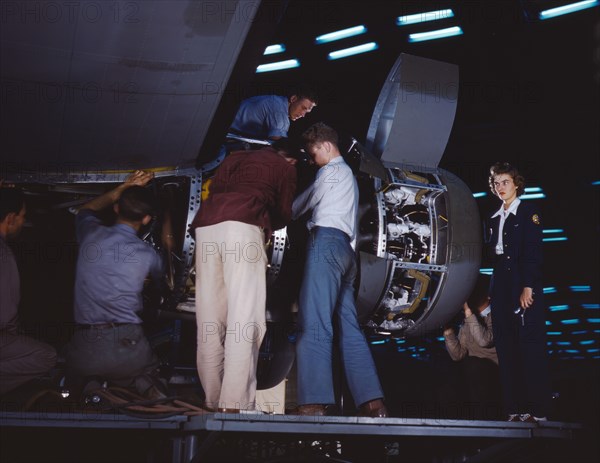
{"x": 136, "y": 202}
{"x": 480, "y": 292}
{"x": 304, "y": 91}
{"x": 11, "y": 200}
{"x": 291, "y": 148}
{"x": 282, "y": 144}
{"x": 319, "y": 133}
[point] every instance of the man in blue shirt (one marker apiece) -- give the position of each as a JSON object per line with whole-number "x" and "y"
{"x": 112, "y": 265}
{"x": 327, "y": 291}
{"x": 267, "y": 117}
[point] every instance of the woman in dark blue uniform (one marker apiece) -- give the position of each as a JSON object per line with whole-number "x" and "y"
{"x": 515, "y": 244}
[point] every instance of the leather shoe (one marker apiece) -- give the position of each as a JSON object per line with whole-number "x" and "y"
{"x": 228, "y": 410}
{"x": 374, "y": 409}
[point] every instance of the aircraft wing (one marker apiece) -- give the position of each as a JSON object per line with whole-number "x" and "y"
{"x": 118, "y": 85}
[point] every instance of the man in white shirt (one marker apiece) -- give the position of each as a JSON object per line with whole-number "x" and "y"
{"x": 327, "y": 291}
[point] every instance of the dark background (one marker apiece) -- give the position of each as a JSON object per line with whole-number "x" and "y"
{"x": 528, "y": 95}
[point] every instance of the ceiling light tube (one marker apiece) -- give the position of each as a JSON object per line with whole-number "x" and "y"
{"x": 566, "y": 9}
{"x": 278, "y": 66}
{"x": 424, "y": 17}
{"x": 533, "y": 196}
{"x": 341, "y": 34}
{"x": 272, "y": 49}
{"x": 580, "y": 288}
{"x": 433, "y": 35}
{"x": 364, "y": 48}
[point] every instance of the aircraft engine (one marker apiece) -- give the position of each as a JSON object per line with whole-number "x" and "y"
{"x": 419, "y": 237}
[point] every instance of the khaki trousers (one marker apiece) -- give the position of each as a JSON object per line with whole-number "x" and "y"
{"x": 231, "y": 265}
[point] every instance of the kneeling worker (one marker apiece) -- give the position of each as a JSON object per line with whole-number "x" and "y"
{"x": 112, "y": 264}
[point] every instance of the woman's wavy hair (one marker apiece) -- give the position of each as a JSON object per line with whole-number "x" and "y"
{"x": 505, "y": 168}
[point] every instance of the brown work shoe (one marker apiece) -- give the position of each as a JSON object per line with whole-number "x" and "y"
{"x": 228, "y": 410}
{"x": 374, "y": 409}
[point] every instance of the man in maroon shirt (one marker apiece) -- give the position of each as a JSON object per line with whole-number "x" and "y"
{"x": 251, "y": 195}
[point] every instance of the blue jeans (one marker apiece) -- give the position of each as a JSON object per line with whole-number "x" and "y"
{"x": 327, "y": 292}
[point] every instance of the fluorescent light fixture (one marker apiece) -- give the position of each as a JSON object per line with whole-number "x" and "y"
{"x": 579, "y": 332}
{"x": 548, "y": 323}
{"x": 424, "y": 17}
{"x": 552, "y": 231}
{"x": 533, "y": 189}
{"x": 566, "y": 9}
{"x": 549, "y": 290}
{"x": 433, "y": 35}
{"x": 278, "y": 66}
{"x": 563, "y": 343}
{"x": 557, "y": 238}
{"x": 378, "y": 342}
{"x": 441, "y": 338}
{"x": 341, "y": 34}
{"x": 554, "y": 333}
{"x": 364, "y": 48}
{"x": 594, "y": 320}
{"x": 480, "y": 194}
{"x": 533, "y": 196}
{"x": 587, "y": 342}
{"x": 571, "y": 321}
{"x": 580, "y": 288}
{"x": 596, "y": 183}
{"x": 591, "y": 306}
{"x": 272, "y": 49}
{"x": 593, "y": 351}
{"x": 486, "y": 271}
{"x": 558, "y": 308}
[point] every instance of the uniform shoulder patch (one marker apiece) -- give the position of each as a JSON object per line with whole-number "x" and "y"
{"x": 535, "y": 219}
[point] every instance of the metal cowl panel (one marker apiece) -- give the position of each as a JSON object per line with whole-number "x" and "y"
{"x": 414, "y": 114}
{"x": 463, "y": 255}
